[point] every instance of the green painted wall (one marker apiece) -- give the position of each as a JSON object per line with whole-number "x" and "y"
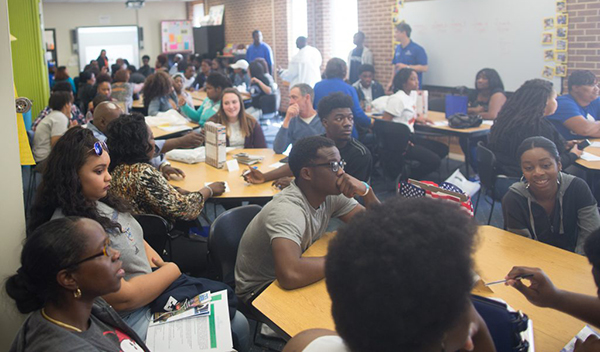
{"x": 29, "y": 67}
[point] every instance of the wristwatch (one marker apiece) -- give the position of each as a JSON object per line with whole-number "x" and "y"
{"x": 164, "y": 164}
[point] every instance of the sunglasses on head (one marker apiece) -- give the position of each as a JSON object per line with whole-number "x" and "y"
{"x": 99, "y": 147}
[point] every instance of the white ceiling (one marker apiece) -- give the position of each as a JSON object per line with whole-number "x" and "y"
{"x": 122, "y": 1}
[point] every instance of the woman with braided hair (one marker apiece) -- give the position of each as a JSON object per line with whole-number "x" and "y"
{"x": 523, "y": 116}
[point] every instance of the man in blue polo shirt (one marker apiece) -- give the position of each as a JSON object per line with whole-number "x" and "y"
{"x": 259, "y": 49}
{"x": 408, "y": 54}
{"x": 578, "y": 112}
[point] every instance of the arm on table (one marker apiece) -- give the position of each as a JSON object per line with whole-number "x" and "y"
{"x": 583, "y": 127}
{"x": 542, "y": 293}
{"x": 257, "y": 177}
{"x": 291, "y": 269}
{"x": 496, "y": 102}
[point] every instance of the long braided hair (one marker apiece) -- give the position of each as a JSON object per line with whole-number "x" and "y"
{"x": 523, "y": 110}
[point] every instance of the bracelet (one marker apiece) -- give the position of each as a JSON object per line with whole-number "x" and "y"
{"x": 368, "y": 189}
{"x": 211, "y": 191}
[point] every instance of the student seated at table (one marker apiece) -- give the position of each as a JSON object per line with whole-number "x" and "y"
{"x": 549, "y": 205}
{"x": 201, "y": 77}
{"x": 75, "y": 114}
{"x": 261, "y": 84}
{"x": 189, "y": 76}
{"x": 335, "y": 73}
{"x": 335, "y": 113}
{"x": 131, "y": 146}
{"x": 272, "y": 245}
{"x": 216, "y": 83}
{"x": 122, "y": 90}
{"x": 184, "y": 98}
{"x": 300, "y": 120}
{"x": 379, "y": 272}
{"x": 159, "y": 95}
{"x": 53, "y": 126}
{"x": 578, "y": 112}
{"x": 76, "y": 183}
{"x": 243, "y": 131}
{"x": 523, "y": 116}
{"x": 367, "y": 88}
{"x": 240, "y": 75}
{"x": 66, "y": 266}
{"x": 488, "y": 97}
{"x": 400, "y": 108}
{"x": 542, "y": 292}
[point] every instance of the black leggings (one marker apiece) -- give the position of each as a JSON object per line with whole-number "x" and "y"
{"x": 428, "y": 154}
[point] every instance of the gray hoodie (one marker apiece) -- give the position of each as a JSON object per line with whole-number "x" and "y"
{"x": 576, "y": 214}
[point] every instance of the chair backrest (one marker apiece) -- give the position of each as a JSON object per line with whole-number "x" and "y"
{"x": 486, "y": 162}
{"x": 156, "y": 232}
{"x": 392, "y": 139}
{"x": 224, "y": 238}
{"x": 268, "y": 103}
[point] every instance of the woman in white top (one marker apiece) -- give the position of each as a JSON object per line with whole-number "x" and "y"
{"x": 243, "y": 131}
{"x": 401, "y": 108}
{"x": 52, "y": 126}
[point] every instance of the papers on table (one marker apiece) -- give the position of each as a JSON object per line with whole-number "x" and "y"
{"x": 276, "y": 165}
{"x": 589, "y": 157}
{"x": 167, "y": 118}
{"x": 595, "y": 144}
{"x": 440, "y": 123}
{"x": 197, "y": 334}
{"x": 173, "y": 129}
{"x": 582, "y": 335}
{"x": 188, "y": 156}
{"x": 487, "y": 122}
{"x": 226, "y": 186}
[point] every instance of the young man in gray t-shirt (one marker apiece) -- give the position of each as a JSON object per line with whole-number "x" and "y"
{"x": 272, "y": 245}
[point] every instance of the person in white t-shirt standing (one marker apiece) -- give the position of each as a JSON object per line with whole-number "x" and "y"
{"x": 305, "y": 66}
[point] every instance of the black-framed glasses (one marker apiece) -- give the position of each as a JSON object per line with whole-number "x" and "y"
{"x": 99, "y": 147}
{"x": 335, "y": 165}
{"x": 105, "y": 252}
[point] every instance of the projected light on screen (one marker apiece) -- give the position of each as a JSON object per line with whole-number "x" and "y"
{"x": 118, "y": 41}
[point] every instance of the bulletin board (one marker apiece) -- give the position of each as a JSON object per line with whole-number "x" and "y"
{"x": 177, "y": 37}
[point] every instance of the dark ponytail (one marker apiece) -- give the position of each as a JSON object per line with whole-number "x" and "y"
{"x": 50, "y": 248}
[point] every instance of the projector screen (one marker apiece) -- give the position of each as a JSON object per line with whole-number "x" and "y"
{"x": 118, "y": 41}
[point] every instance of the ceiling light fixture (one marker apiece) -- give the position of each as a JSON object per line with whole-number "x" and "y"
{"x": 134, "y": 4}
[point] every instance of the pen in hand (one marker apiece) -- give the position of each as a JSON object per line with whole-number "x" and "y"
{"x": 525, "y": 276}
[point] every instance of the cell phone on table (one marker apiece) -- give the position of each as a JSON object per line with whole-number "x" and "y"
{"x": 582, "y": 145}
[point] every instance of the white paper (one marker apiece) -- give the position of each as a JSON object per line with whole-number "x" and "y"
{"x": 226, "y": 186}
{"x": 276, "y": 165}
{"x": 595, "y": 144}
{"x": 487, "y": 122}
{"x": 582, "y": 335}
{"x": 232, "y": 165}
{"x": 589, "y": 157}
{"x": 173, "y": 129}
{"x": 189, "y": 156}
{"x": 440, "y": 123}
{"x": 207, "y": 333}
{"x": 170, "y": 117}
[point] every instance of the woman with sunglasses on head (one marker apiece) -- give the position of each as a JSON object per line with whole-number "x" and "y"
{"x": 76, "y": 183}
{"x": 549, "y": 205}
{"x": 66, "y": 266}
{"x": 131, "y": 146}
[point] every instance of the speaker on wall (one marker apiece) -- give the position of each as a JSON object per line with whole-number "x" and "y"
{"x": 141, "y": 37}
{"x": 74, "y": 43}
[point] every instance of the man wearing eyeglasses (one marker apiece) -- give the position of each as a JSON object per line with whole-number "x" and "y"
{"x": 272, "y": 245}
{"x": 335, "y": 112}
{"x": 578, "y": 112}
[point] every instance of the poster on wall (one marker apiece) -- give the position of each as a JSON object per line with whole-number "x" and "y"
{"x": 177, "y": 37}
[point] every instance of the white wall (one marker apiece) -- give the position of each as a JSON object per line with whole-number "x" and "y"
{"x": 11, "y": 189}
{"x": 66, "y": 16}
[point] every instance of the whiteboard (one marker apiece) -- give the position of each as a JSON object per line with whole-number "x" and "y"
{"x": 463, "y": 36}
{"x": 118, "y": 41}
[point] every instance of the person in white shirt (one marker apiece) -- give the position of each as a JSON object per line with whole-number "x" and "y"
{"x": 53, "y": 126}
{"x": 189, "y": 77}
{"x": 305, "y": 66}
{"x": 175, "y": 68}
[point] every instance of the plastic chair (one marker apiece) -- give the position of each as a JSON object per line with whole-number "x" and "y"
{"x": 392, "y": 140}
{"x": 268, "y": 106}
{"x": 486, "y": 161}
{"x": 224, "y": 238}
{"x": 156, "y": 233}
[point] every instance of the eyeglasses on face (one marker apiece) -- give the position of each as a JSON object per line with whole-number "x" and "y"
{"x": 105, "y": 252}
{"x": 335, "y": 165}
{"x": 99, "y": 147}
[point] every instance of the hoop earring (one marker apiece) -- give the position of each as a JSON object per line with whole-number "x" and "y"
{"x": 524, "y": 180}
{"x": 77, "y": 293}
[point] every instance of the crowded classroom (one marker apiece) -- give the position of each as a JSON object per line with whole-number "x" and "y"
{"x": 301, "y": 175}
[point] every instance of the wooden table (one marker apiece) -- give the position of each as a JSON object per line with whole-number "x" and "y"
{"x": 498, "y": 250}
{"x": 198, "y": 174}
{"x": 591, "y": 165}
{"x": 162, "y": 134}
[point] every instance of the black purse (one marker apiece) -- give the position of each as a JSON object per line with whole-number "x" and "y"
{"x": 464, "y": 121}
